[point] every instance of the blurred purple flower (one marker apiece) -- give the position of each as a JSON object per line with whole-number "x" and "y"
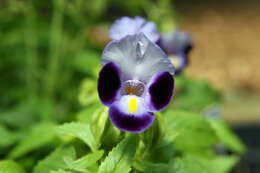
{"x": 177, "y": 45}
{"x": 135, "y": 81}
{"x": 130, "y": 26}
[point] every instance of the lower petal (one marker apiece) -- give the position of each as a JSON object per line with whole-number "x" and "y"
{"x": 124, "y": 120}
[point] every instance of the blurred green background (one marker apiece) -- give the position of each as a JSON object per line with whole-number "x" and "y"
{"x": 50, "y": 58}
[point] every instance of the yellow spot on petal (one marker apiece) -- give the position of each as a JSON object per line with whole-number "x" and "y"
{"x": 132, "y": 105}
{"x": 175, "y": 61}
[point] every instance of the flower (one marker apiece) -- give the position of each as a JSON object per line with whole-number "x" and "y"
{"x": 135, "y": 81}
{"x": 130, "y": 26}
{"x": 177, "y": 45}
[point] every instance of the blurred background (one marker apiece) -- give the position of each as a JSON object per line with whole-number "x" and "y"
{"x": 50, "y": 57}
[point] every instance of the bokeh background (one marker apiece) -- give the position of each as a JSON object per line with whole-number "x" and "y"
{"x": 50, "y": 51}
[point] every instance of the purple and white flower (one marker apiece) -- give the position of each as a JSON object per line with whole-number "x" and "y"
{"x": 176, "y": 45}
{"x": 135, "y": 81}
{"x": 130, "y": 26}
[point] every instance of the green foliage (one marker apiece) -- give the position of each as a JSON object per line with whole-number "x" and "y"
{"x": 99, "y": 120}
{"x": 85, "y": 162}
{"x": 79, "y": 130}
{"x": 8, "y": 136}
{"x": 194, "y": 164}
{"x": 120, "y": 159}
{"x": 51, "y": 119}
{"x": 9, "y": 166}
{"x": 194, "y": 95}
{"x": 149, "y": 167}
{"x": 226, "y": 136}
{"x": 194, "y": 133}
{"x": 40, "y": 134}
{"x": 55, "y": 160}
{"x": 155, "y": 134}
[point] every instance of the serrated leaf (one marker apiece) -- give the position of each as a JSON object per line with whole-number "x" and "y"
{"x": 194, "y": 133}
{"x": 55, "y": 160}
{"x": 148, "y": 167}
{"x": 81, "y": 131}
{"x": 9, "y": 166}
{"x": 39, "y": 135}
{"x": 87, "y": 161}
{"x": 221, "y": 164}
{"x": 120, "y": 159}
{"x": 98, "y": 123}
{"x": 226, "y": 136}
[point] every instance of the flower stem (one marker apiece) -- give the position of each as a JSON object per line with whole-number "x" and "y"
{"x": 55, "y": 46}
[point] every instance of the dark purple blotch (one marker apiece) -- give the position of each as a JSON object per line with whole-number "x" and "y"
{"x": 109, "y": 83}
{"x": 161, "y": 90}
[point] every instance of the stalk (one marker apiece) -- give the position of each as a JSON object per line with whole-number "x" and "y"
{"x": 55, "y": 46}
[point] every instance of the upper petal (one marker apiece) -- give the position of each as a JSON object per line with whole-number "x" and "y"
{"x": 175, "y": 42}
{"x": 160, "y": 91}
{"x": 109, "y": 83}
{"x": 130, "y": 26}
{"x": 129, "y": 119}
{"x": 137, "y": 57}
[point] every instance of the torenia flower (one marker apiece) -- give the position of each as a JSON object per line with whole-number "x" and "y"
{"x": 135, "y": 81}
{"x": 177, "y": 45}
{"x": 130, "y": 26}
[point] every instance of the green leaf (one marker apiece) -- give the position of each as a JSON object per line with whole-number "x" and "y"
{"x": 40, "y": 134}
{"x": 148, "y": 167}
{"x": 221, "y": 164}
{"x": 88, "y": 92}
{"x": 111, "y": 136}
{"x": 224, "y": 164}
{"x": 119, "y": 160}
{"x": 98, "y": 123}
{"x": 60, "y": 171}
{"x": 81, "y": 131}
{"x": 87, "y": 161}
{"x": 55, "y": 160}
{"x": 166, "y": 151}
{"x": 194, "y": 95}
{"x": 85, "y": 115}
{"x": 194, "y": 133}
{"x": 189, "y": 164}
{"x": 226, "y": 136}
{"x": 9, "y": 166}
{"x": 154, "y": 135}
{"x": 8, "y": 137}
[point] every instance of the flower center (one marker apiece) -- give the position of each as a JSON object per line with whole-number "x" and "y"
{"x": 132, "y": 105}
{"x": 133, "y": 87}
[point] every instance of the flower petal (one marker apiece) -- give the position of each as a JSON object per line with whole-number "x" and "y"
{"x": 130, "y": 26}
{"x": 137, "y": 57}
{"x": 121, "y": 116}
{"x": 179, "y": 61}
{"x": 160, "y": 91}
{"x": 175, "y": 42}
{"x": 109, "y": 83}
